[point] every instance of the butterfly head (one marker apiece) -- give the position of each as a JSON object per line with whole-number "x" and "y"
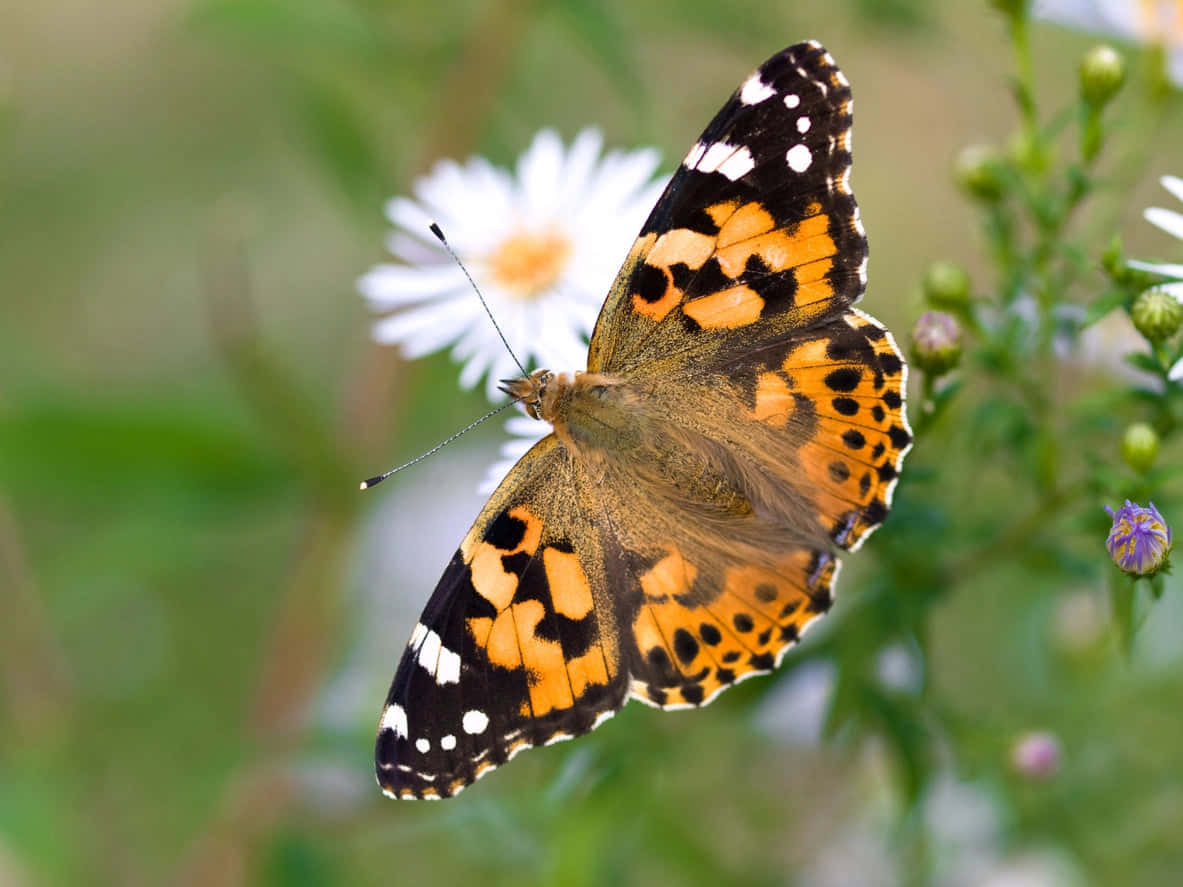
{"x": 529, "y": 391}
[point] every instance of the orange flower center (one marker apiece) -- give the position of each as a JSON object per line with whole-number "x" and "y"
{"x": 527, "y": 263}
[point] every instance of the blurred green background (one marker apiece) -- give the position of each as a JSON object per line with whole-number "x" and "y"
{"x": 199, "y": 613}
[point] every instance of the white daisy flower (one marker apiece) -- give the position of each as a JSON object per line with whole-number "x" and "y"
{"x": 543, "y": 244}
{"x": 1154, "y": 22}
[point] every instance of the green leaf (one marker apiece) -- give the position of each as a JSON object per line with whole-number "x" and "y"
{"x": 1101, "y": 306}
{"x": 1142, "y": 361}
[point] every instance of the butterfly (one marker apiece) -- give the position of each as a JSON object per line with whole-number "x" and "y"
{"x": 737, "y": 425}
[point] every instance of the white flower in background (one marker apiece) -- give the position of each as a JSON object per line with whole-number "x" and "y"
{"x": 543, "y": 244}
{"x": 1171, "y": 222}
{"x": 1154, "y": 22}
{"x": 524, "y": 433}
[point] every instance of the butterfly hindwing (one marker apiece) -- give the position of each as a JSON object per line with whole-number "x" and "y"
{"x": 757, "y": 234}
{"x": 517, "y": 645}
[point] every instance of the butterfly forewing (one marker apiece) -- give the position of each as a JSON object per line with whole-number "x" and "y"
{"x": 757, "y": 234}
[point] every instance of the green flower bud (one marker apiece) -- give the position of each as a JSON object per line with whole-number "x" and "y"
{"x": 978, "y": 170}
{"x": 1102, "y": 72}
{"x": 1157, "y": 315}
{"x": 1029, "y": 152}
{"x": 946, "y": 285}
{"x": 936, "y": 343}
{"x": 1139, "y": 447}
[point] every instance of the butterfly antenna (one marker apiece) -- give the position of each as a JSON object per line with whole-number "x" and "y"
{"x": 374, "y": 481}
{"x": 438, "y": 232}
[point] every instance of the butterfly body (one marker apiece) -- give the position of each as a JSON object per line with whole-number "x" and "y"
{"x": 738, "y": 424}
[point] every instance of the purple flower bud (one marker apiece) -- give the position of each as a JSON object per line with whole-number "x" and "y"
{"x": 1139, "y": 540}
{"x": 1036, "y": 755}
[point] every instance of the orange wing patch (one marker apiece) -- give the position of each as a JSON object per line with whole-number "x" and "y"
{"x": 745, "y": 232}
{"x": 522, "y": 634}
{"x": 849, "y": 386}
{"x": 729, "y": 309}
{"x": 690, "y": 651}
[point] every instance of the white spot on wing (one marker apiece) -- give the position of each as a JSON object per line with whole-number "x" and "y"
{"x": 792, "y": 101}
{"x": 417, "y": 635}
{"x": 738, "y": 164}
{"x": 799, "y": 158}
{"x": 474, "y": 721}
{"x": 429, "y": 649}
{"x": 424, "y": 745}
{"x": 438, "y": 659}
{"x": 448, "y": 742}
{"x": 733, "y": 161}
{"x": 802, "y": 125}
{"x": 755, "y": 90}
{"x": 695, "y": 155}
{"x": 448, "y": 670}
{"x": 394, "y": 717}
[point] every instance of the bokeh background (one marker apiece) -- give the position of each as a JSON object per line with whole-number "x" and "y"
{"x": 199, "y": 613}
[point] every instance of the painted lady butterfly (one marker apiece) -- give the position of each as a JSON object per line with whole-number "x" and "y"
{"x": 738, "y": 423}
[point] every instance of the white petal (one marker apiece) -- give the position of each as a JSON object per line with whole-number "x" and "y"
{"x": 1174, "y": 184}
{"x": 472, "y": 371}
{"x": 489, "y": 200}
{"x": 580, "y": 166}
{"x": 414, "y": 251}
{"x": 408, "y": 214}
{"x": 559, "y": 344}
{"x": 1166, "y": 270}
{"x": 524, "y": 426}
{"x": 539, "y": 175}
{"x": 454, "y": 197}
{"x": 443, "y": 186}
{"x": 446, "y": 317}
{"x": 389, "y": 286}
{"x": 1176, "y": 372}
{"x": 1167, "y": 220}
